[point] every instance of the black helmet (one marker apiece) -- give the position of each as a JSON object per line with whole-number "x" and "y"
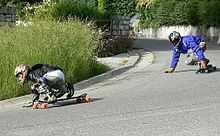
{"x": 175, "y": 38}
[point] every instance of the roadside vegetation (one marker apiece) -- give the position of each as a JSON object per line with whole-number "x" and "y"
{"x": 154, "y": 13}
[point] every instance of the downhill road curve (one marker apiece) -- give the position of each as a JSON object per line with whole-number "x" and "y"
{"x": 143, "y": 101}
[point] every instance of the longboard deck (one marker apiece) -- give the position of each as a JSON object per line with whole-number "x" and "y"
{"x": 63, "y": 99}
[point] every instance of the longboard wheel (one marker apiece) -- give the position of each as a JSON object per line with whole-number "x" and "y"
{"x": 207, "y": 71}
{"x": 40, "y": 106}
{"x": 88, "y": 99}
{"x": 35, "y": 106}
{"x": 44, "y": 106}
{"x": 214, "y": 68}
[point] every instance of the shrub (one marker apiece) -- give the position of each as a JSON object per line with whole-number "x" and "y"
{"x": 85, "y": 10}
{"x": 124, "y": 7}
{"x": 209, "y": 13}
{"x": 64, "y": 9}
{"x": 181, "y": 12}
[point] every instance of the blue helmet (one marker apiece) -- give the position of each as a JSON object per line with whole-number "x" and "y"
{"x": 175, "y": 38}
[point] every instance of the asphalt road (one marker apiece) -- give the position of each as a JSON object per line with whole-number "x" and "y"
{"x": 143, "y": 101}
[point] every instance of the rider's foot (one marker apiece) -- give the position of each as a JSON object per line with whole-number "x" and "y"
{"x": 70, "y": 89}
{"x": 52, "y": 99}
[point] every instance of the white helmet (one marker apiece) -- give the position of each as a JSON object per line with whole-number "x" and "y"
{"x": 21, "y": 69}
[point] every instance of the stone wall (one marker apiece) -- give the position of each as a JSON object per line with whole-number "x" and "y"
{"x": 7, "y": 15}
{"x": 120, "y": 26}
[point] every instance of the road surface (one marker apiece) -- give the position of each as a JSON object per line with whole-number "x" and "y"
{"x": 143, "y": 101}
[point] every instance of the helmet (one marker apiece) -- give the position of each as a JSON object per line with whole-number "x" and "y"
{"x": 20, "y": 69}
{"x": 21, "y": 72}
{"x": 175, "y": 38}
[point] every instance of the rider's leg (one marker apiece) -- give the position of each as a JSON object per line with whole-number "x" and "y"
{"x": 204, "y": 64}
{"x": 65, "y": 87}
{"x": 36, "y": 94}
{"x": 56, "y": 80}
{"x": 201, "y": 58}
{"x": 53, "y": 80}
{"x": 191, "y": 58}
{"x": 71, "y": 90}
{"x": 37, "y": 89}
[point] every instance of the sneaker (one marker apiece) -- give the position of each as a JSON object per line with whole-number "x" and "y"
{"x": 52, "y": 99}
{"x": 70, "y": 89}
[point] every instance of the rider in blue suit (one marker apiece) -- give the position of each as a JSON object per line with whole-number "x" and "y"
{"x": 181, "y": 44}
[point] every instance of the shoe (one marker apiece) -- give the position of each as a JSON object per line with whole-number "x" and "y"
{"x": 203, "y": 71}
{"x": 70, "y": 89}
{"x": 52, "y": 99}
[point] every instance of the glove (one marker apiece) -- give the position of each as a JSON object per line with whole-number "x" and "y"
{"x": 169, "y": 70}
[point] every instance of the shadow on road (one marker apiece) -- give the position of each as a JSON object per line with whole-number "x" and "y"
{"x": 164, "y": 45}
{"x": 71, "y": 102}
{"x": 152, "y": 45}
{"x": 217, "y": 70}
{"x": 189, "y": 70}
{"x": 185, "y": 70}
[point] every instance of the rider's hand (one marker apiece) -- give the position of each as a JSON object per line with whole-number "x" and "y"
{"x": 169, "y": 70}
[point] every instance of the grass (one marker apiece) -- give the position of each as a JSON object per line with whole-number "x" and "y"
{"x": 70, "y": 45}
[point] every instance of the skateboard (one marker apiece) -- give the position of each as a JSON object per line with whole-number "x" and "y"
{"x": 210, "y": 69}
{"x": 83, "y": 98}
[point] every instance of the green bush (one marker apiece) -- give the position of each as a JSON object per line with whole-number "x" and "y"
{"x": 15, "y": 2}
{"x": 181, "y": 12}
{"x": 85, "y": 10}
{"x": 71, "y": 45}
{"x": 209, "y": 13}
{"x": 123, "y": 7}
{"x": 63, "y": 9}
{"x": 102, "y": 5}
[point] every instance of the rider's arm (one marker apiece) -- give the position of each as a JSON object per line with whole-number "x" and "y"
{"x": 175, "y": 58}
{"x": 35, "y": 77}
{"x": 194, "y": 46}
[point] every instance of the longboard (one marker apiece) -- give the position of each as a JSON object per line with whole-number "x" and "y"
{"x": 83, "y": 98}
{"x": 209, "y": 70}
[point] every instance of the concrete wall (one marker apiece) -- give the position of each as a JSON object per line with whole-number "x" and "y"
{"x": 212, "y": 34}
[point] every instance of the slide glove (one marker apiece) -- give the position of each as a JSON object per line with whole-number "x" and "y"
{"x": 169, "y": 70}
